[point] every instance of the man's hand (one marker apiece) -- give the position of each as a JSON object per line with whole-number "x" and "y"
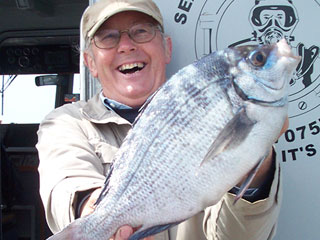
{"x": 267, "y": 163}
{"x": 123, "y": 233}
{"x": 89, "y": 205}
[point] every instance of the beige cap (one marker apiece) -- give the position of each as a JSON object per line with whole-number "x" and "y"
{"x": 96, "y": 14}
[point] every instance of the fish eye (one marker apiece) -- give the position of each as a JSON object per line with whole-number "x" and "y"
{"x": 258, "y": 58}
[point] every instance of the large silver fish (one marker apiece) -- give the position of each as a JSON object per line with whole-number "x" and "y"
{"x": 198, "y": 136}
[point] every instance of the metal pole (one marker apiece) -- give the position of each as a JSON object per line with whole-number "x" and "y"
{"x": 89, "y": 85}
{"x": 2, "y": 96}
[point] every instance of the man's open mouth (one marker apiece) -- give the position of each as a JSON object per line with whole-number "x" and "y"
{"x": 131, "y": 68}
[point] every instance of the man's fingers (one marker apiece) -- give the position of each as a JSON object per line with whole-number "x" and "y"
{"x": 95, "y": 195}
{"x": 123, "y": 233}
{"x": 88, "y": 207}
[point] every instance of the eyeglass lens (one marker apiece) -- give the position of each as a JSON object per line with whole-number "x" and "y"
{"x": 139, "y": 33}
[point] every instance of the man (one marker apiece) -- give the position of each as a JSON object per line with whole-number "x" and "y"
{"x": 127, "y": 51}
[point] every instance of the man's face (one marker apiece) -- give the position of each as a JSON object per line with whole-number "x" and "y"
{"x": 107, "y": 65}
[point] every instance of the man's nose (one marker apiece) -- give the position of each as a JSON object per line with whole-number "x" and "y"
{"x": 126, "y": 44}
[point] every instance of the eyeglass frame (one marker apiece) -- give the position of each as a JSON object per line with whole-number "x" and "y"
{"x": 156, "y": 27}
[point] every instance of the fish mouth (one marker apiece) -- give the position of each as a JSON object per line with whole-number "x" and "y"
{"x": 130, "y": 68}
{"x": 285, "y": 50}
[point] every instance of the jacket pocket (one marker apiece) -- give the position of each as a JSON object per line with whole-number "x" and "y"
{"x": 106, "y": 153}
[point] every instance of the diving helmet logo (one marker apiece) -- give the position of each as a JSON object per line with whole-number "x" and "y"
{"x": 273, "y": 20}
{"x": 269, "y": 21}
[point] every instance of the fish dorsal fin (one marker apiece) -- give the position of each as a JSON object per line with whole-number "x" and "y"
{"x": 236, "y": 130}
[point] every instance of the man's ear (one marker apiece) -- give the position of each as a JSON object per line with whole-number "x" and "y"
{"x": 168, "y": 49}
{"x": 90, "y": 63}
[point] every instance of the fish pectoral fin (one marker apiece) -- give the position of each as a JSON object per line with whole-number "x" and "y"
{"x": 245, "y": 185}
{"x": 143, "y": 233}
{"x": 236, "y": 130}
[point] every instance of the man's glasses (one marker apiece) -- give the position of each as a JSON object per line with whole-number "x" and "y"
{"x": 139, "y": 33}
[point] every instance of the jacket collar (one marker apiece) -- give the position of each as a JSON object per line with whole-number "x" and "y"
{"x": 96, "y": 112}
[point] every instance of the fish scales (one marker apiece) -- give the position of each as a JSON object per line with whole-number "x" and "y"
{"x": 162, "y": 174}
{"x": 170, "y": 132}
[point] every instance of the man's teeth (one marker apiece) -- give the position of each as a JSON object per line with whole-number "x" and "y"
{"x": 131, "y": 66}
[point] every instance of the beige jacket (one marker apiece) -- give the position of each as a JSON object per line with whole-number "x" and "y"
{"x": 76, "y": 144}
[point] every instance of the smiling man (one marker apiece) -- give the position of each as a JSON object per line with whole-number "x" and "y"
{"x": 129, "y": 56}
{"x": 127, "y": 50}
